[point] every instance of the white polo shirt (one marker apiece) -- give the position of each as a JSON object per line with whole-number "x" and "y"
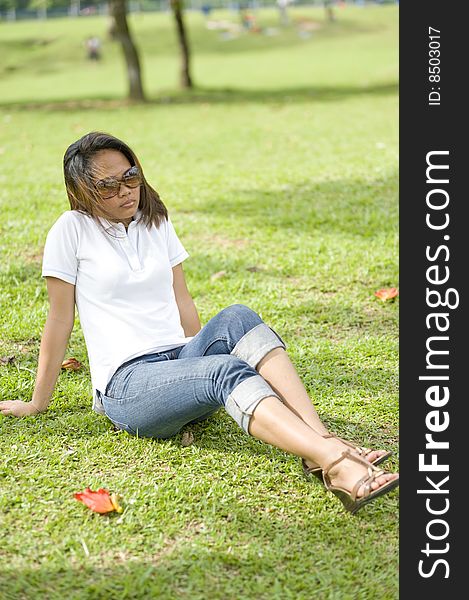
{"x": 123, "y": 288}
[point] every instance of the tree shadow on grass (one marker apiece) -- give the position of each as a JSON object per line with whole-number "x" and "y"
{"x": 354, "y": 207}
{"x": 215, "y": 96}
{"x": 264, "y": 554}
{"x": 341, "y": 319}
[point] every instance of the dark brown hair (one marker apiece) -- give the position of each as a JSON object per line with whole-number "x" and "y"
{"x": 79, "y": 183}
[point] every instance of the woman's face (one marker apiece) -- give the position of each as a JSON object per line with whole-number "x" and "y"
{"x": 124, "y": 205}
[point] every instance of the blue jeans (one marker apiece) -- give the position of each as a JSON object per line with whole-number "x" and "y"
{"x": 155, "y": 395}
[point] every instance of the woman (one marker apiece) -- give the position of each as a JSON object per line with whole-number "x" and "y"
{"x": 153, "y": 368}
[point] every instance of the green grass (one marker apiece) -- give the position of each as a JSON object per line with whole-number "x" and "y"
{"x": 285, "y": 159}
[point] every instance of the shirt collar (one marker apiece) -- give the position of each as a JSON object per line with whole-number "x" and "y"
{"x": 120, "y": 226}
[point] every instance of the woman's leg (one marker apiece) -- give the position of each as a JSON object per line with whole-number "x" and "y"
{"x": 277, "y": 369}
{"x": 156, "y": 398}
{"x": 240, "y": 331}
{"x": 274, "y": 423}
{"x": 235, "y": 330}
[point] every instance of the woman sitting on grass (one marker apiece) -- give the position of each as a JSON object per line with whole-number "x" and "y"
{"x": 153, "y": 367}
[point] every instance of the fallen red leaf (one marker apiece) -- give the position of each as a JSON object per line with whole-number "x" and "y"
{"x": 100, "y": 501}
{"x": 386, "y": 293}
{"x": 72, "y": 364}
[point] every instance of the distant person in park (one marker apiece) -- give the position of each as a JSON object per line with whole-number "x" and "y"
{"x": 206, "y": 9}
{"x": 154, "y": 368}
{"x": 248, "y": 21}
{"x": 93, "y": 48}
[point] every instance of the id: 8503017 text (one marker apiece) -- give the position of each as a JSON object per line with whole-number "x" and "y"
{"x": 434, "y": 69}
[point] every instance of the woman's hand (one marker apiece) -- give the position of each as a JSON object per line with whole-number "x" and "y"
{"x": 18, "y": 408}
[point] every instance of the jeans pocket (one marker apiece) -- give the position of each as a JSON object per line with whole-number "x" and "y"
{"x": 117, "y": 389}
{"x": 119, "y": 399}
{"x": 115, "y": 413}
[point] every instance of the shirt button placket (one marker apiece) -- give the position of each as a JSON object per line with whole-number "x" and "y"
{"x": 132, "y": 256}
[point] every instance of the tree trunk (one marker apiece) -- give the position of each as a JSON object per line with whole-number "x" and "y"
{"x": 118, "y": 11}
{"x": 42, "y": 11}
{"x": 185, "y": 77}
{"x": 329, "y": 10}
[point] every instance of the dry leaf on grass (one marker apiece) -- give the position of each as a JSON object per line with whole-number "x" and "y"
{"x": 100, "y": 501}
{"x": 217, "y": 275}
{"x": 386, "y": 293}
{"x": 72, "y": 364}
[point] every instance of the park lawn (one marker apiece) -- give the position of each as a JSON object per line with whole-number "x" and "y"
{"x": 280, "y": 175}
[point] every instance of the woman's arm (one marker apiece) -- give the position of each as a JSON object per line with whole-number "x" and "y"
{"x": 59, "y": 326}
{"x": 57, "y": 330}
{"x": 190, "y": 320}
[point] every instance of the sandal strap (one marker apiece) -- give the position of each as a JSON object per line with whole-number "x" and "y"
{"x": 372, "y": 473}
{"x": 309, "y": 470}
{"x": 365, "y": 481}
{"x": 345, "y": 454}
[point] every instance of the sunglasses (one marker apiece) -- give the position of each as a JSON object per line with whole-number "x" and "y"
{"x": 110, "y": 186}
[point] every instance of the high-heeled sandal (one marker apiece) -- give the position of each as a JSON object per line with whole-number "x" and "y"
{"x": 360, "y": 450}
{"x": 349, "y": 499}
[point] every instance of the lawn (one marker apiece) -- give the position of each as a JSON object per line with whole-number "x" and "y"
{"x": 280, "y": 175}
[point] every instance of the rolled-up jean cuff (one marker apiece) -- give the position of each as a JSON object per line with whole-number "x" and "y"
{"x": 256, "y": 343}
{"x": 242, "y": 401}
